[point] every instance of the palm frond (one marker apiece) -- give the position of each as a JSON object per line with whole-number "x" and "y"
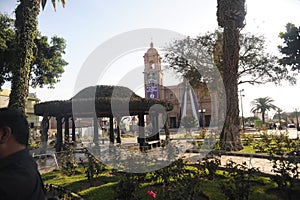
{"x": 44, "y": 3}
{"x": 54, "y": 4}
{"x": 63, "y": 2}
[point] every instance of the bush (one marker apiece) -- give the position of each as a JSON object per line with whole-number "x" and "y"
{"x": 285, "y": 160}
{"x": 94, "y": 167}
{"x": 239, "y": 181}
{"x": 68, "y": 161}
{"x": 129, "y": 185}
{"x": 209, "y": 166}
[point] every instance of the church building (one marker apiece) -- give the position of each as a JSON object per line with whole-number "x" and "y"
{"x": 187, "y": 101}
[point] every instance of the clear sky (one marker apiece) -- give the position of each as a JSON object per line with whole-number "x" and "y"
{"x": 87, "y": 24}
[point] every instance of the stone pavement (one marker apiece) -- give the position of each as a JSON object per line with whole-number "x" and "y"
{"x": 264, "y": 165}
{"x": 129, "y": 144}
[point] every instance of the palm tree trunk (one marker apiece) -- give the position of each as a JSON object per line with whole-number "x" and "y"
{"x": 26, "y": 30}
{"x": 263, "y": 117}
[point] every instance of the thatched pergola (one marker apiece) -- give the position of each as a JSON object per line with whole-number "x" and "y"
{"x": 94, "y": 102}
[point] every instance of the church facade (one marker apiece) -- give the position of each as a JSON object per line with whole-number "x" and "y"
{"x": 186, "y": 101}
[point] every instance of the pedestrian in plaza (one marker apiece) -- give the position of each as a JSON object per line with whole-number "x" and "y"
{"x": 19, "y": 176}
{"x": 275, "y": 126}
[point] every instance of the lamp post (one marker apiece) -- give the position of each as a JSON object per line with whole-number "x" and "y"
{"x": 297, "y": 122}
{"x": 202, "y": 111}
{"x": 279, "y": 117}
{"x": 241, "y": 95}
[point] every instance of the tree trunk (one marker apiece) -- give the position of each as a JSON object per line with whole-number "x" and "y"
{"x": 230, "y": 138}
{"x": 263, "y": 117}
{"x": 231, "y": 15}
{"x": 26, "y": 30}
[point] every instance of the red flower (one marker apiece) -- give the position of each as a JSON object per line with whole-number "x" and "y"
{"x": 151, "y": 194}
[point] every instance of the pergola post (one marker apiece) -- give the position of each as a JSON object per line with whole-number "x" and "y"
{"x": 111, "y": 129}
{"x": 73, "y": 130}
{"x": 155, "y": 127}
{"x": 141, "y": 124}
{"x": 167, "y": 130}
{"x": 44, "y": 133}
{"x": 96, "y": 131}
{"x": 67, "y": 132}
{"x": 118, "y": 139}
{"x": 59, "y": 144}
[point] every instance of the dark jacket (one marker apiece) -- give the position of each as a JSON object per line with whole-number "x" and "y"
{"x": 19, "y": 178}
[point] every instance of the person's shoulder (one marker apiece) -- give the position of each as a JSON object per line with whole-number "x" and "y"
{"x": 21, "y": 171}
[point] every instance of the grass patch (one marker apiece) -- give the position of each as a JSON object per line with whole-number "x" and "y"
{"x": 99, "y": 188}
{"x": 105, "y": 191}
{"x": 104, "y": 186}
{"x": 247, "y": 149}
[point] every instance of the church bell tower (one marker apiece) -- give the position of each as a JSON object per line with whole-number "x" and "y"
{"x": 153, "y": 76}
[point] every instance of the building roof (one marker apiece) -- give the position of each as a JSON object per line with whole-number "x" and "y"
{"x": 103, "y": 100}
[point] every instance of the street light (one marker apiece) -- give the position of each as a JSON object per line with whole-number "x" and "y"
{"x": 279, "y": 116}
{"x": 202, "y": 111}
{"x": 241, "y": 95}
{"x": 297, "y": 122}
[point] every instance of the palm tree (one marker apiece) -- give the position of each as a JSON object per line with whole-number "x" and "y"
{"x": 43, "y": 2}
{"x": 262, "y": 105}
{"x": 231, "y": 16}
{"x": 26, "y": 25}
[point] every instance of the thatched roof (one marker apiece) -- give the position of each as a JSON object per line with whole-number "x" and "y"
{"x": 104, "y": 100}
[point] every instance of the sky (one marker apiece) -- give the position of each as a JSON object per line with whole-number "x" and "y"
{"x": 86, "y": 25}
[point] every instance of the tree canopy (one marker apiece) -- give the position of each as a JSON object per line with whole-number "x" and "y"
{"x": 47, "y": 64}
{"x": 291, "y": 47}
{"x": 256, "y": 66}
{"x": 26, "y": 30}
{"x": 7, "y": 36}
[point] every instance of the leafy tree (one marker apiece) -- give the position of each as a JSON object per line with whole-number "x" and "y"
{"x": 189, "y": 55}
{"x": 240, "y": 58}
{"x": 258, "y": 67}
{"x": 26, "y": 26}
{"x": 7, "y": 36}
{"x": 46, "y": 64}
{"x": 291, "y": 48}
{"x": 226, "y": 50}
{"x": 26, "y": 30}
{"x": 186, "y": 56}
{"x": 262, "y": 105}
{"x": 189, "y": 122}
{"x": 231, "y": 16}
{"x": 280, "y": 115}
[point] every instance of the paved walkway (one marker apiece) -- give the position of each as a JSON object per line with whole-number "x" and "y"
{"x": 129, "y": 144}
{"x": 264, "y": 165}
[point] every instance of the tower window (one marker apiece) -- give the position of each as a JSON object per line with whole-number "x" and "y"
{"x": 152, "y": 66}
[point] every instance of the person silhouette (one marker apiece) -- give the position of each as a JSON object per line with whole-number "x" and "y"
{"x": 19, "y": 175}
